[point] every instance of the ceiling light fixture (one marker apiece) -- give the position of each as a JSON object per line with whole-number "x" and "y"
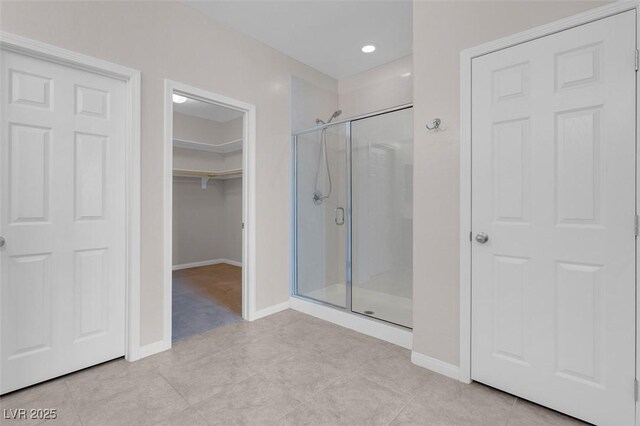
{"x": 179, "y": 99}
{"x": 368, "y": 48}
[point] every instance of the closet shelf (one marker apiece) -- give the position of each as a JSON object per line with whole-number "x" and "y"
{"x": 223, "y": 148}
{"x": 206, "y": 175}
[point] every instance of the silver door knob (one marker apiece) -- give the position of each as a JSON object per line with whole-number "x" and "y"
{"x": 482, "y": 238}
{"x": 2, "y": 241}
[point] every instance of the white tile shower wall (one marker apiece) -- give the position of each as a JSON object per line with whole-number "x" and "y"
{"x": 382, "y": 162}
{"x": 311, "y": 237}
{"x": 336, "y": 235}
{"x": 321, "y": 241}
{"x": 308, "y": 102}
{"x": 320, "y": 248}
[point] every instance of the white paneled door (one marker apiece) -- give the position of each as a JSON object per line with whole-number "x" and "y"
{"x": 553, "y": 184}
{"x": 62, "y": 214}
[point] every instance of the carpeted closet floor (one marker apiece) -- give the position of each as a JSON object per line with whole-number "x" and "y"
{"x": 204, "y": 298}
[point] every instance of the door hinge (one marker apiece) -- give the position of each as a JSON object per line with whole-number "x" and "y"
{"x": 242, "y": 225}
{"x": 636, "y": 223}
{"x": 635, "y": 389}
{"x": 637, "y": 59}
{"x": 470, "y": 236}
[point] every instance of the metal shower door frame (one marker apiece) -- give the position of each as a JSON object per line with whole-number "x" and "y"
{"x": 349, "y": 220}
{"x": 349, "y": 210}
{"x": 294, "y": 214}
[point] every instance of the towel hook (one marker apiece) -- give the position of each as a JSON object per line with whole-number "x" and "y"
{"x": 435, "y": 125}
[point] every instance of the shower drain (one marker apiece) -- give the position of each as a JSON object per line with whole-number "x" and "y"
{"x": 369, "y": 312}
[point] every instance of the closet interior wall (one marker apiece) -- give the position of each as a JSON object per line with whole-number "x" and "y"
{"x": 207, "y": 223}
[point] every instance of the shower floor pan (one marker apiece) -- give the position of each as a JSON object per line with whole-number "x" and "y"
{"x": 385, "y": 306}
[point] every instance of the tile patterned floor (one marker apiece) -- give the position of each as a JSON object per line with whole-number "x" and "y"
{"x": 205, "y": 298}
{"x": 286, "y": 369}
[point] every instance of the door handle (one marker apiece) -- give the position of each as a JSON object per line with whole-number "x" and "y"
{"x": 482, "y": 238}
{"x": 339, "y": 218}
{"x": 2, "y": 241}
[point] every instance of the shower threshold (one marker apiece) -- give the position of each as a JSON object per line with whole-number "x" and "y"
{"x": 383, "y": 306}
{"x": 370, "y": 326}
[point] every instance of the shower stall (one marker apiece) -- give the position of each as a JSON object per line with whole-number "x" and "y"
{"x": 353, "y": 214}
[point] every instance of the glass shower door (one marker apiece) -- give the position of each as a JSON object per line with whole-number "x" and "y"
{"x": 321, "y": 214}
{"x": 382, "y": 216}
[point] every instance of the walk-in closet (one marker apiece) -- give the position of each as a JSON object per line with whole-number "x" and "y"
{"x": 207, "y": 216}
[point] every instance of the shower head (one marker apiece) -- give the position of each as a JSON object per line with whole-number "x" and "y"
{"x": 335, "y": 115}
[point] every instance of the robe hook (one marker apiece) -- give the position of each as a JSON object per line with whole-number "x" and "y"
{"x": 435, "y": 125}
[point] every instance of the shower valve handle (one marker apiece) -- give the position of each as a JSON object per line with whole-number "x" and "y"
{"x": 339, "y": 218}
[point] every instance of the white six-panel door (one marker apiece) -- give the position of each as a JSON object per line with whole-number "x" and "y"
{"x": 62, "y": 213}
{"x": 553, "y": 187}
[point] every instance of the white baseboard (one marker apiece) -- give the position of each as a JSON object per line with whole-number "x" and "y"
{"x": 379, "y": 330}
{"x": 436, "y": 365}
{"x": 153, "y": 348}
{"x": 270, "y": 310}
{"x": 206, "y": 263}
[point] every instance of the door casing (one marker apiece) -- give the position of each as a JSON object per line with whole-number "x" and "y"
{"x": 249, "y": 312}
{"x": 131, "y": 78}
{"x": 466, "y": 57}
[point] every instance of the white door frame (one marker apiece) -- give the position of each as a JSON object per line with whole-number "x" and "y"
{"x": 466, "y": 57}
{"x": 248, "y": 196}
{"x": 131, "y": 78}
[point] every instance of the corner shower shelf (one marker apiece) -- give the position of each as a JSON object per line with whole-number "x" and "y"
{"x": 223, "y": 148}
{"x": 205, "y": 175}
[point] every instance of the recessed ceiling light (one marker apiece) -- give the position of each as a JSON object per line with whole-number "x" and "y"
{"x": 368, "y": 48}
{"x": 179, "y": 99}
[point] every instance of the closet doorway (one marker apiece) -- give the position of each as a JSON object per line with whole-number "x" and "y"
{"x": 206, "y": 208}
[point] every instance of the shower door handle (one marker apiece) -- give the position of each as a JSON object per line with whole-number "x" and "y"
{"x": 340, "y": 218}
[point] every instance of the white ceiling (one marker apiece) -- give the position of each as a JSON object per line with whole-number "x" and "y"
{"x": 206, "y": 110}
{"x": 324, "y": 34}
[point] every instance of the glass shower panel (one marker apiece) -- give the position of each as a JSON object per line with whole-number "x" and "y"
{"x": 382, "y": 216}
{"x": 321, "y": 215}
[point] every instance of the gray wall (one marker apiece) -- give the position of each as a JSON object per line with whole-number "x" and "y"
{"x": 207, "y": 223}
{"x": 166, "y": 39}
{"x": 441, "y": 30}
{"x": 170, "y": 40}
